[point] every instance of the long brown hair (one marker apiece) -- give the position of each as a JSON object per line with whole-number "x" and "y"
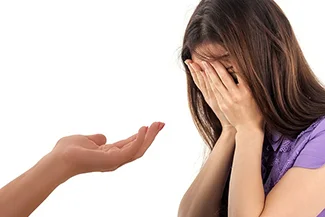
{"x": 261, "y": 41}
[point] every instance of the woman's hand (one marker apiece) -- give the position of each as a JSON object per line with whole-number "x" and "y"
{"x": 235, "y": 100}
{"x": 202, "y": 82}
{"x": 82, "y": 154}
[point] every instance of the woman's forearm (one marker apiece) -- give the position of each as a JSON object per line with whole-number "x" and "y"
{"x": 246, "y": 193}
{"x": 204, "y": 195}
{"x": 23, "y": 195}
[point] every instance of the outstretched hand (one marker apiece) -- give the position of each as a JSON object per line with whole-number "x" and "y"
{"x": 82, "y": 154}
{"x": 71, "y": 156}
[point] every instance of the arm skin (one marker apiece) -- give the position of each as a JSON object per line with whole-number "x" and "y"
{"x": 71, "y": 156}
{"x": 246, "y": 192}
{"x": 24, "y": 194}
{"x": 299, "y": 193}
{"x": 204, "y": 195}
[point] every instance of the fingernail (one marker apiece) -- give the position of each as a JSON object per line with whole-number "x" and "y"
{"x": 161, "y": 126}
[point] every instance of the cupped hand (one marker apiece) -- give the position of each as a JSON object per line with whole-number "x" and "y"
{"x": 201, "y": 81}
{"x": 235, "y": 100}
{"x": 82, "y": 154}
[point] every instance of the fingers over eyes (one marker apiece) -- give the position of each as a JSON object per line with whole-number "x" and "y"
{"x": 223, "y": 75}
{"x": 197, "y": 75}
{"x": 215, "y": 81}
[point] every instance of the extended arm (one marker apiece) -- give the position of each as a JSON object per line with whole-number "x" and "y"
{"x": 24, "y": 194}
{"x": 71, "y": 156}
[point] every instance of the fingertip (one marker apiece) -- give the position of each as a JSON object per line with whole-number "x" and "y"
{"x": 189, "y": 66}
{"x": 161, "y": 126}
{"x": 103, "y": 138}
{"x": 143, "y": 130}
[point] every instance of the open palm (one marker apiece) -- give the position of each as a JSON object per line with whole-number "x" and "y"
{"x": 85, "y": 154}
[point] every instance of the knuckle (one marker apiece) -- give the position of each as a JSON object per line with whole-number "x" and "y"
{"x": 236, "y": 98}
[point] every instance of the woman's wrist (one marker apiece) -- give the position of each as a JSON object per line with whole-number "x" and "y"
{"x": 247, "y": 136}
{"x": 249, "y": 130}
{"x": 227, "y": 138}
{"x": 229, "y": 131}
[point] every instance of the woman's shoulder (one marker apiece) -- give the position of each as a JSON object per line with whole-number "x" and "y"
{"x": 311, "y": 150}
{"x": 306, "y": 151}
{"x": 316, "y": 127}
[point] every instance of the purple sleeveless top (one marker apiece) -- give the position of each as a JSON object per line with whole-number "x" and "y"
{"x": 307, "y": 151}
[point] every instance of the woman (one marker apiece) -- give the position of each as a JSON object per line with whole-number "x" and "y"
{"x": 259, "y": 107}
{"x": 71, "y": 156}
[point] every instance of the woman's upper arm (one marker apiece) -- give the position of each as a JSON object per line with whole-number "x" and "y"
{"x": 301, "y": 191}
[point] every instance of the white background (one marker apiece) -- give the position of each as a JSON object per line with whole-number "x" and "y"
{"x": 83, "y": 67}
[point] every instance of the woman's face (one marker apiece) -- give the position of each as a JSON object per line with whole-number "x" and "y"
{"x": 207, "y": 51}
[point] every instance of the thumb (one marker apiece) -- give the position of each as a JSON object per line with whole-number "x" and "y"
{"x": 99, "y": 139}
